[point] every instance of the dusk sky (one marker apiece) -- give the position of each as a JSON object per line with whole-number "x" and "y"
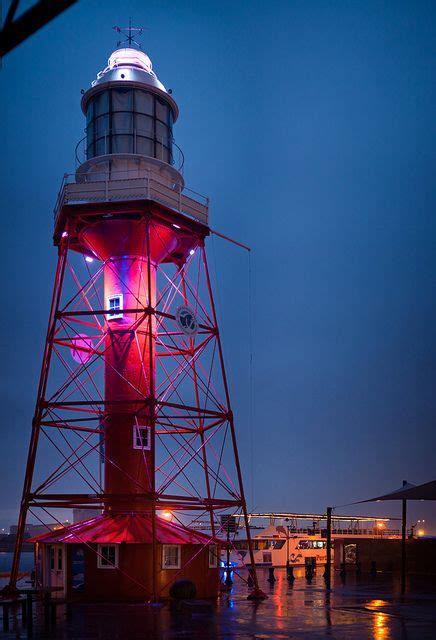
{"x": 311, "y": 126}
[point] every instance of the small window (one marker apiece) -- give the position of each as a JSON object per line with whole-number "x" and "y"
{"x": 59, "y": 567}
{"x": 115, "y": 306}
{"x": 171, "y": 556}
{"x": 141, "y": 437}
{"x": 278, "y": 544}
{"x": 107, "y": 556}
{"x": 52, "y": 558}
{"x": 304, "y": 544}
{"x": 213, "y": 556}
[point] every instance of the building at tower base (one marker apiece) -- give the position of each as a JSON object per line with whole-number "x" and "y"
{"x": 110, "y": 558}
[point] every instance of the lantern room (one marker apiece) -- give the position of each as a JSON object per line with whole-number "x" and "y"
{"x": 129, "y": 119}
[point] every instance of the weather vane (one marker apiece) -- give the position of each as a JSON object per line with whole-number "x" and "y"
{"x": 130, "y": 33}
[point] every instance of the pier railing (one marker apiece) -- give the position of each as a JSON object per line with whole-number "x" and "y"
{"x": 131, "y": 185}
{"x": 338, "y": 531}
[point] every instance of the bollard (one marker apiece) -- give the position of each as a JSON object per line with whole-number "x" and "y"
{"x": 228, "y": 581}
{"x": 290, "y": 573}
{"x": 29, "y": 607}
{"x": 5, "y": 617}
{"x": 69, "y": 611}
{"x": 47, "y": 608}
{"x": 343, "y": 573}
{"x": 24, "y": 611}
{"x": 250, "y": 581}
{"x": 309, "y": 573}
{"x": 309, "y": 567}
{"x": 271, "y": 577}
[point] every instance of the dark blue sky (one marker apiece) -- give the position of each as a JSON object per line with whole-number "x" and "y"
{"x": 311, "y": 127}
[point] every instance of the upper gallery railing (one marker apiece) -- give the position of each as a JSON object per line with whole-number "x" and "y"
{"x": 131, "y": 185}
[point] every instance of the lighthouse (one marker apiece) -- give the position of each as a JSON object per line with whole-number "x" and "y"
{"x": 133, "y": 419}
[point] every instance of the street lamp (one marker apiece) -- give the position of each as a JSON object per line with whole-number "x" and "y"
{"x": 420, "y": 531}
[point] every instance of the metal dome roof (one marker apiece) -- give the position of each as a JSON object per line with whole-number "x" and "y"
{"x": 130, "y": 66}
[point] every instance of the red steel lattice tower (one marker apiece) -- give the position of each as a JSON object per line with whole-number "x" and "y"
{"x": 133, "y": 415}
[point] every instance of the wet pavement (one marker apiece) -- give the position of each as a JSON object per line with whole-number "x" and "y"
{"x": 361, "y": 608}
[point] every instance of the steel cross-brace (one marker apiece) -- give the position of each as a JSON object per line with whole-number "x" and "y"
{"x": 14, "y": 32}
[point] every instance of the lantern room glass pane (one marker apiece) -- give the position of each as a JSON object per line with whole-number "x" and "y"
{"x": 122, "y": 144}
{"x": 100, "y": 147}
{"x": 144, "y": 146}
{"x": 162, "y": 134}
{"x": 144, "y": 125}
{"x": 90, "y": 131}
{"x": 102, "y": 126}
{"x": 89, "y": 112}
{"x": 144, "y": 102}
{"x": 101, "y": 103}
{"x": 122, "y": 100}
{"x": 161, "y": 110}
{"x": 121, "y": 123}
{"x": 162, "y": 153}
{"x": 90, "y": 140}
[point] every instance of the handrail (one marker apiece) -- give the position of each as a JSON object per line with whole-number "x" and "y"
{"x": 78, "y": 161}
{"x": 127, "y": 185}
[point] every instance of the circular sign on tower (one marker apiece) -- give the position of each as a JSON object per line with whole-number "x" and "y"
{"x": 186, "y": 320}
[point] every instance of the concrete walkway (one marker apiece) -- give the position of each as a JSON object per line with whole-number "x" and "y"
{"x": 362, "y": 608}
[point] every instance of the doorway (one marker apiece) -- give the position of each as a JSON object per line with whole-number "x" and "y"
{"x": 56, "y": 569}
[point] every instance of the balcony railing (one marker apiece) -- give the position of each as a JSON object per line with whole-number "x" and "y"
{"x": 131, "y": 185}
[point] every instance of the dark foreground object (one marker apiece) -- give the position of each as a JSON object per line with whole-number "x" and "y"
{"x": 183, "y": 590}
{"x": 365, "y": 608}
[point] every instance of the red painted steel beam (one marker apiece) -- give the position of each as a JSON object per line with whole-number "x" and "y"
{"x": 33, "y": 445}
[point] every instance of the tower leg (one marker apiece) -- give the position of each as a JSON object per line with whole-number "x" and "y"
{"x": 257, "y": 593}
{"x": 31, "y": 456}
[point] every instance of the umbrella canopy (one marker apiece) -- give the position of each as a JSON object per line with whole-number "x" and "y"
{"x": 132, "y": 528}
{"x": 426, "y": 491}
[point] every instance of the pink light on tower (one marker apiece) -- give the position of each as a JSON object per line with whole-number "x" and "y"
{"x": 133, "y": 394}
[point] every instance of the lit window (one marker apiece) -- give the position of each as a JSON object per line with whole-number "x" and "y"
{"x": 213, "y": 556}
{"x": 107, "y": 556}
{"x": 141, "y": 437}
{"x": 115, "y": 306}
{"x": 171, "y": 556}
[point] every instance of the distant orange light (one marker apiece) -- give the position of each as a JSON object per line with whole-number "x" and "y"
{"x": 167, "y": 515}
{"x": 381, "y": 525}
{"x": 420, "y": 532}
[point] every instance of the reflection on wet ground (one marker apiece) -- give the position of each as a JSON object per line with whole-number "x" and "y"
{"x": 358, "y": 608}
